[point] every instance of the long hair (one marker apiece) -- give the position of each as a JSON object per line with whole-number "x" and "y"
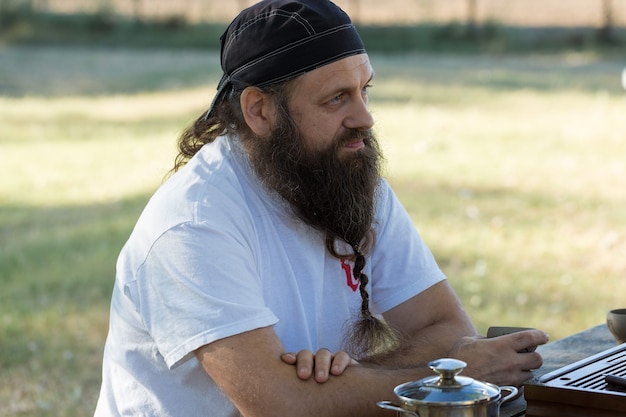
{"x": 227, "y": 118}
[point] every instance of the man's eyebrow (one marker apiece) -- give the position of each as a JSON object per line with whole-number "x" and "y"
{"x": 342, "y": 89}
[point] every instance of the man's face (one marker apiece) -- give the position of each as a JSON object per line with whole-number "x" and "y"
{"x": 322, "y": 156}
{"x": 331, "y": 100}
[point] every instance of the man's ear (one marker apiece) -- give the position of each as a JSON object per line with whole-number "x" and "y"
{"x": 259, "y": 110}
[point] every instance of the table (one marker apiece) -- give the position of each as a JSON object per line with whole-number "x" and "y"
{"x": 561, "y": 353}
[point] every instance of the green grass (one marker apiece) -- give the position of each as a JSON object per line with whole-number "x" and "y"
{"x": 512, "y": 167}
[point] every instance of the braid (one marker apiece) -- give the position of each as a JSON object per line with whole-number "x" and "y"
{"x": 359, "y": 264}
{"x": 370, "y": 336}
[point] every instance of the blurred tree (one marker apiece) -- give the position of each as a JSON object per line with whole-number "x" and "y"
{"x": 472, "y": 18}
{"x": 137, "y": 11}
{"x": 605, "y": 34}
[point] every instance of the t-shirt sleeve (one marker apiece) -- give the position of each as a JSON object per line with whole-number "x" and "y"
{"x": 403, "y": 266}
{"x": 198, "y": 285}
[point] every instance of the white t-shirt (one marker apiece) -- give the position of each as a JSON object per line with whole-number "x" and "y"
{"x": 214, "y": 255}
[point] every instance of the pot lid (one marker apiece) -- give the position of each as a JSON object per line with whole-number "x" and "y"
{"x": 448, "y": 388}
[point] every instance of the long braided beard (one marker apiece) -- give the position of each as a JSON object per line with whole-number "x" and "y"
{"x": 334, "y": 194}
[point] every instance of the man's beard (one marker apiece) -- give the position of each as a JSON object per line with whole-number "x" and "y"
{"x": 333, "y": 191}
{"x": 330, "y": 192}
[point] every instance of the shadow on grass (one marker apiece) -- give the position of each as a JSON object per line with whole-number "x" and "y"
{"x": 55, "y": 71}
{"x": 57, "y": 268}
{"x": 410, "y": 77}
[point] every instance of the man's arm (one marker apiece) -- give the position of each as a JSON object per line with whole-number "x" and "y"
{"x": 249, "y": 369}
{"x": 435, "y": 325}
{"x": 430, "y": 323}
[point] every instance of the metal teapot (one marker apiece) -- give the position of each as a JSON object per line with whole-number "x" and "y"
{"x": 449, "y": 395}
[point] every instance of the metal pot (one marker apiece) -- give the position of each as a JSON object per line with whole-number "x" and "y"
{"x": 449, "y": 395}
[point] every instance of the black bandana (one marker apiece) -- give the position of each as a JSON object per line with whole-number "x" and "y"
{"x": 276, "y": 40}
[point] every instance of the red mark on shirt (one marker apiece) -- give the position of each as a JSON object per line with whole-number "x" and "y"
{"x": 350, "y": 281}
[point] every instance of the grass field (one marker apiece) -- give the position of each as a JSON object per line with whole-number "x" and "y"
{"x": 512, "y": 167}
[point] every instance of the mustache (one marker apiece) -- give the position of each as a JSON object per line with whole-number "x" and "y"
{"x": 355, "y": 135}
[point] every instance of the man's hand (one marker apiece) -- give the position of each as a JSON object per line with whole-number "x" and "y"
{"x": 322, "y": 364}
{"x": 498, "y": 360}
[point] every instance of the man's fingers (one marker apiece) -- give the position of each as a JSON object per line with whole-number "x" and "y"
{"x": 320, "y": 365}
{"x": 289, "y": 358}
{"x": 528, "y": 340}
{"x": 340, "y": 362}
{"x": 323, "y": 359}
{"x": 304, "y": 362}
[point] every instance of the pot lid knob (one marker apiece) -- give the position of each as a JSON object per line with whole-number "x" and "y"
{"x": 448, "y": 369}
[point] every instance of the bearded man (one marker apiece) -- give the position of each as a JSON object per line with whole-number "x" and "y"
{"x": 277, "y": 234}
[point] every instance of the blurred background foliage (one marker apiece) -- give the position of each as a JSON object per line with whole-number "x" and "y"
{"x": 392, "y": 25}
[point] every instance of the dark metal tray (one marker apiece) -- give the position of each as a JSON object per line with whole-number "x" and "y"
{"x": 580, "y": 389}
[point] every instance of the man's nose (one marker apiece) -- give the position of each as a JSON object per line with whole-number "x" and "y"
{"x": 359, "y": 116}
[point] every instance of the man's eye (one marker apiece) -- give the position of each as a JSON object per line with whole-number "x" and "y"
{"x": 366, "y": 94}
{"x": 336, "y": 99}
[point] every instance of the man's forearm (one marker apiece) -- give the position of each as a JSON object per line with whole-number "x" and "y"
{"x": 248, "y": 369}
{"x": 433, "y": 342}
